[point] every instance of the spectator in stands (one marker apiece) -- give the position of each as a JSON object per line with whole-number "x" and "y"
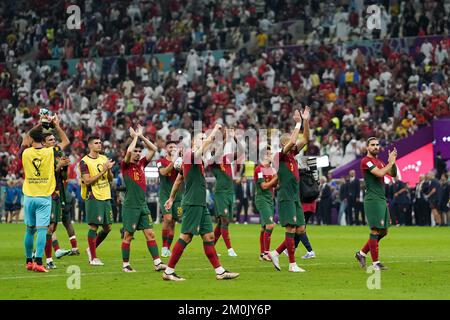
{"x": 352, "y": 199}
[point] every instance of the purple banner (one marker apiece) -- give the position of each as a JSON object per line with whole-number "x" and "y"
{"x": 404, "y": 146}
{"x": 442, "y": 137}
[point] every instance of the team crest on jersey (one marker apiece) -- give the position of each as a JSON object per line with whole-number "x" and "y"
{"x": 179, "y": 211}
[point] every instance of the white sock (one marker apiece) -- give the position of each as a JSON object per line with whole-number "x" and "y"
{"x": 157, "y": 261}
{"x": 375, "y": 262}
{"x": 362, "y": 253}
{"x": 49, "y": 260}
{"x": 125, "y": 264}
{"x": 72, "y": 238}
{"x": 231, "y": 249}
{"x": 219, "y": 270}
{"x": 164, "y": 248}
{"x": 274, "y": 253}
{"x": 169, "y": 270}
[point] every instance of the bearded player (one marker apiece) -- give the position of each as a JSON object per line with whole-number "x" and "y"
{"x": 96, "y": 176}
{"x": 375, "y": 206}
{"x": 196, "y": 218}
{"x": 167, "y": 177}
{"x": 135, "y": 212}
{"x": 222, "y": 165}
{"x": 289, "y": 206}
{"x": 265, "y": 180}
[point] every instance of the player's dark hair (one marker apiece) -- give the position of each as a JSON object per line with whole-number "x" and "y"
{"x": 139, "y": 146}
{"x": 46, "y": 135}
{"x": 92, "y": 138}
{"x": 37, "y": 135}
{"x": 371, "y": 139}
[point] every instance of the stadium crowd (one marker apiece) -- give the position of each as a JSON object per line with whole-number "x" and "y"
{"x": 352, "y": 95}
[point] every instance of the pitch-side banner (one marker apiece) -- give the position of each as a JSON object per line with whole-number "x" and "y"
{"x": 412, "y": 165}
{"x": 442, "y": 137}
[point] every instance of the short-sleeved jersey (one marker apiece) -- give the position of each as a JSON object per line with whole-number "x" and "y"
{"x": 39, "y": 169}
{"x": 374, "y": 186}
{"x": 288, "y": 175}
{"x": 166, "y": 182}
{"x": 101, "y": 189}
{"x": 263, "y": 174}
{"x": 134, "y": 178}
{"x": 194, "y": 181}
{"x": 223, "y": 172}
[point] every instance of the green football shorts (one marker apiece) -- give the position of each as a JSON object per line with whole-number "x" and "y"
{"x": 265, "y": 210}
{"x": 291, "y": 213}
{"x": 224, "y": 205}
{"x": 377, "y": 214}
{"x": 136, "y": 218}
{"x": 56, "y": 213}
{"x": 98, "y": 212}
{"x": 196, "y": 220}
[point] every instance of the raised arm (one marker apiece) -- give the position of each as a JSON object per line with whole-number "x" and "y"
{"x": 27, "y": 141}
{"x": 61, "y": 134}
{"x": 148, "y": 144}
{"x": 173, "y": 192}
{"x": 304, "y": 141}
{"x": 294, "y": 135}
{"x": 207, "y": 142}
{"x": 132, "y": 145}
{"x": 380, "y": 173}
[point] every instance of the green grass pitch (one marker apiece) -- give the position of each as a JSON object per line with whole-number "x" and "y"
{"x": 418, "y": 259}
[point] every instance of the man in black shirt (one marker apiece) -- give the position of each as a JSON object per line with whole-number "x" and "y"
{"x": 401, "y": 202}
{"x": 432, "y": 194}
{"x": 352, "y": 197}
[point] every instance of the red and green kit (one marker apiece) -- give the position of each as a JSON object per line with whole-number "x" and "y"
{"x": 224, "y": 190}
{"x": 264, "y": 197}
{"x": 196, "y": 218}
{"x": 135, "y": 212}
{"x": 375, "y": 205}
{"x": 166, "y": 183}
{"x": 289, "y": 207}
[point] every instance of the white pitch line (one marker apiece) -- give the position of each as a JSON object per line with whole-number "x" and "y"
{"x": 205, "y": 269}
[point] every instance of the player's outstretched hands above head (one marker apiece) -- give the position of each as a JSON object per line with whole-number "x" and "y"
{"x": 55, "y": 120}
{"x": 140, "y": 130}
{"x": 297, "y": 116}
{"x": 132, "y": 132}
{"x": 306, "y": 114}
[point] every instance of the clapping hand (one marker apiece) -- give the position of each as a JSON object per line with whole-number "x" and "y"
{"x": 140, "y": 130}
{"x": 306, "y": 113}
{"x": 392, "y": 156}
{"x": 133, "y": 133}
{"x": 297, "y": 116}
